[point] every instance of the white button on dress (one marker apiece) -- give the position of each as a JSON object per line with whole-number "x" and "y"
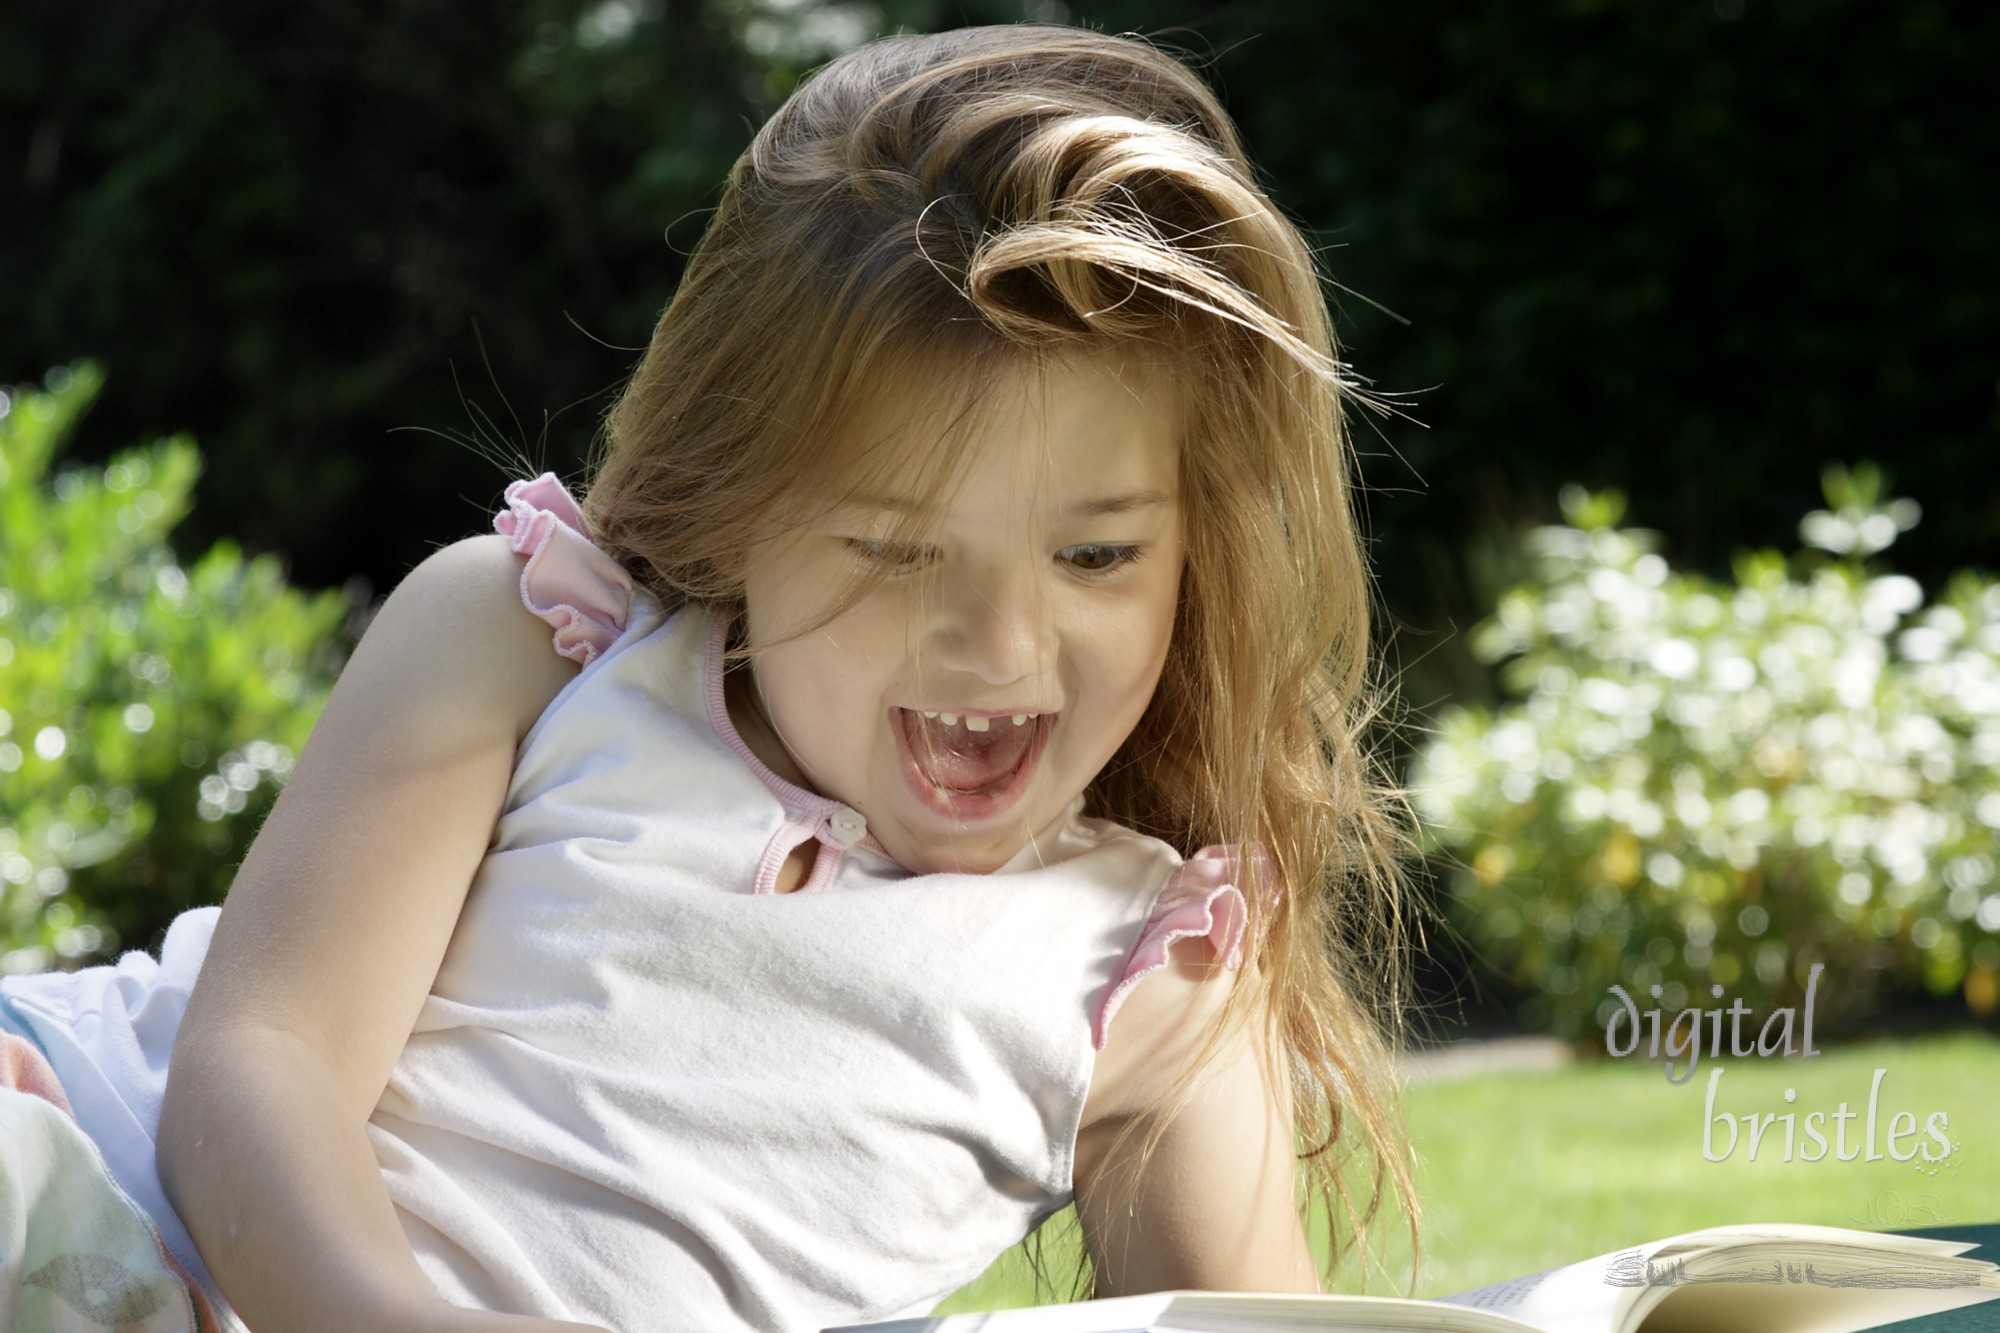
{"x": 848, "y": 825}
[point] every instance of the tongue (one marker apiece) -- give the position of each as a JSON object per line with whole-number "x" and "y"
{"x": 967, "y": 761}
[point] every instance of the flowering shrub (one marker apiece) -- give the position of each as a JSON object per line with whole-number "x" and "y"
{"x": 147, "y": 711}
{"x": 1704, "y": 784}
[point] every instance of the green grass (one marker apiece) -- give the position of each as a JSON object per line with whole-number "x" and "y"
{"x": 1522, "y": 1172}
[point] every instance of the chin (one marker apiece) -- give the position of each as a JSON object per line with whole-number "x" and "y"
{"x": 949, "y": 863}
{"x": 969, "y": 857}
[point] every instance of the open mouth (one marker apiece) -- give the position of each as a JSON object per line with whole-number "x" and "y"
{"x": 970, "y": 764}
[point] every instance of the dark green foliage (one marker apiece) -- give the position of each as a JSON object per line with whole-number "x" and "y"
{"x": 280, "y": 227}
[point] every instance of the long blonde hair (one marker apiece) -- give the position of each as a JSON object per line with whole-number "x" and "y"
{"x": 927, "y": 210}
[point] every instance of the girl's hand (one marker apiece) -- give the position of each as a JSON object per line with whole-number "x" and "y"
{"x": 1216, "y": 1205}
{"x": 331, "y": 938}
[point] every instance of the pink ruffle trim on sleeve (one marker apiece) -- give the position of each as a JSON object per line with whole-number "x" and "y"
{"x": 1204, "y": 899}
{"x": 567, "y": 580}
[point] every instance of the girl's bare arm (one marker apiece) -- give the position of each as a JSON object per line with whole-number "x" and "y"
{"x": 1215, "y": 1206}
{"x": 330, "y": 939}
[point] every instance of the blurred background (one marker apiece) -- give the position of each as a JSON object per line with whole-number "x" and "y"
{"x": 1680, "y": 258}
{"x": 1686, "y": 543}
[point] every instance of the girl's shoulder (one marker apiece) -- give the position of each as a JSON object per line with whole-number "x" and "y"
{"x": 456, "y": 626}
{"x": 474, "y": 618}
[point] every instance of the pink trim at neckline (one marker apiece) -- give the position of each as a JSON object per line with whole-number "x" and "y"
{"x": 789, "y": 794}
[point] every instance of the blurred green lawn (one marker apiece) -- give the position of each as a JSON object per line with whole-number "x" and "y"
{"x": 1527, "y": 1171}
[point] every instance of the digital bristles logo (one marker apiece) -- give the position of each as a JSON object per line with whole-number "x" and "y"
{"x": 1883, "y": 1134}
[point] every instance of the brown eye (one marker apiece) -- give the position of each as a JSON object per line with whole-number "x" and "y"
{"x": 1093, "y": 558}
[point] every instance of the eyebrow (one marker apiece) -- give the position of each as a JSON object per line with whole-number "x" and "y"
{"x": 1097, "y": 508}
{"x": 1121, "y": 504}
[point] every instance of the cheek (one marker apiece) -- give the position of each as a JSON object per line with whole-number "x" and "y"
{"x": 1150, "y": 627}
{"x": 1142, "y": 654}
{"x": 830, "y": 682}
{"x": 1125, "y": 657}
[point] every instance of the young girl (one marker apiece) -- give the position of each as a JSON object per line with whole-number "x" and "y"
{"x": 941, "y": 799}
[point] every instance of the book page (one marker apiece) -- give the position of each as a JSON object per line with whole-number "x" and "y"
{"x": 1744, "y": 1279}
{"x": 1736, "y": 1307}
{"x": 1573, "y": 1299}
{"x": 1217, "y": 1312}
{"x": 1723, "y": 1279}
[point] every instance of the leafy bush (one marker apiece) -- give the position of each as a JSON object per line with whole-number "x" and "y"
{"x": 1707, "y": 784}
{"x": 147, "y": 711}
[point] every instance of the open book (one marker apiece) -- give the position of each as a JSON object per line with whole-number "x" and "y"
{"x": 1737, "y": 1279}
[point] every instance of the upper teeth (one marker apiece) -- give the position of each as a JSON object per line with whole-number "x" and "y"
{"x": 973, "y": 722}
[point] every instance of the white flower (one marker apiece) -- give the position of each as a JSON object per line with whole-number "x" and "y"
{"x": 1887, "y": 599}
{"x": 1675, "y": 659}
{"x": 1749, "y": 805}
{"x": 1827, "y": 531}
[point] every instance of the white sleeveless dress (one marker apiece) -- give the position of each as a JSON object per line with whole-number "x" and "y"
{"x": 647, "y": 1092}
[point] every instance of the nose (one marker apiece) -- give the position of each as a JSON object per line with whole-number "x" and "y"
{"x": 992, "y": 624}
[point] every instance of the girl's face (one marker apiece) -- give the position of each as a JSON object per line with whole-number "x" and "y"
{"x": 1043, "y": 591}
